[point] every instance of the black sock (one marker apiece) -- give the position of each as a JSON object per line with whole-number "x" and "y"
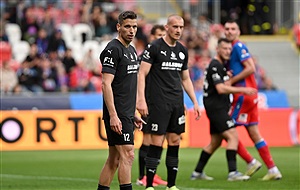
{"x": 231, "y": 160}
{"x": 172, "y": 164}
{"x": 142, "y": 155}
{"x": 204, "y": 157}
{"x": 152, "y": 160}
{"x": 101, "y": 187}
{"x": 126, "y": 186}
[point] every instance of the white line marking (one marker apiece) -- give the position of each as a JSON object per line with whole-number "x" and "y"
{"x": 187, "y": 188}
{"x": 30, "y": 177}
{"x": 45, "y": 178}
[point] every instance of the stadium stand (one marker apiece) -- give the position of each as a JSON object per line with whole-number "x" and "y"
{"x": 14, "y": 33}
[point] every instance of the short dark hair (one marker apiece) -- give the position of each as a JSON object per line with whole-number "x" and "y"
{"x": 155, "y": 27}
{"x": 126, "y": 15}
{"x": 223, "y": 40}
{"x": 231, "y": 21}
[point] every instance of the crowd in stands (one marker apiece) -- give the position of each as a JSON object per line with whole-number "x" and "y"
{"x": 60, "y": 60}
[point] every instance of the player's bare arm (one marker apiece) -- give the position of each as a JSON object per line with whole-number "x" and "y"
{"x": 225, "y": 89}
{"x": 249, "y": 68}
{"x": 115, "y": 122}
{"x": 188, "y": 87}
{"x": 141, "y": 105}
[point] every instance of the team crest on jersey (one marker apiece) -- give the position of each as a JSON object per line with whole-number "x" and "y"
{"x": 132, "y": 58}
{"x": 173, "y": 56}
{"x": 181, "y": 56}
{"x": 244, "y": 53}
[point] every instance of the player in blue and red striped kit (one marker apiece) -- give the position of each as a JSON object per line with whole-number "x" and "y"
{"x": 244, "y": 108}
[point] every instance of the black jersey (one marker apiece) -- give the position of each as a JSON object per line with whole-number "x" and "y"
{"x": 215, "y": 74}
{"x": 165, "y": 73}
{"x": 122, "y": 62}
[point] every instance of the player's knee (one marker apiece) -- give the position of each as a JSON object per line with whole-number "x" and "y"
{"x": 113, "y": 162}
{"x": 130, "y": 157}
{"x": 173, "y": 140}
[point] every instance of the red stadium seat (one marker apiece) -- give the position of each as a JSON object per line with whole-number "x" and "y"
{"x": 6, "y": 52}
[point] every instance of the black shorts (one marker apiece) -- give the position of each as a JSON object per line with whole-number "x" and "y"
{"x": 146, "y": 127}
{"x": 127, "y": 132}
{"x": 165, "y": 118}
{"x": 219, "y": 121}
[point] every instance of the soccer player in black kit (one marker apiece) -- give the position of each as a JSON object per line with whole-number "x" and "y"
{"x": 217, "y": 103}
{"x": 119, "y": 85}
{"x": 165, "y": 61}
{"x": 156, "y": 32}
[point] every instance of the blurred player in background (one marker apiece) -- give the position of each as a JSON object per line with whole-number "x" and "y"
{"x": 244, "y": 108}
{"x": 216, "y": 102}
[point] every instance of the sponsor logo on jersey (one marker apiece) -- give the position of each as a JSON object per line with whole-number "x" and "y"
{"x": 125, "y": 55}
{"x": 163, "y": 52}
{"x": 152, "y": 171}
{"x": 108, "y": 61}
{"x": 243, "y": 117}
{"x": 132, "y": 69}
{"x": 146, "y": 54}
{"x": 171, "y": 66}
{"x": 109, "y": 51}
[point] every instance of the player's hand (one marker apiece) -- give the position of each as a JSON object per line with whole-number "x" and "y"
{"x": 142, "y": 107}
{"x": 116, "y": 124}
{"x": 250, "y": 91}
{"x": 138, "y": 122}
{"x": 229, "y": 73}
{"x": 197, "y": 112}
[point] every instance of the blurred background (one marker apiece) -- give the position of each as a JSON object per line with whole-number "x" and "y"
{"x": 50, "y": 52}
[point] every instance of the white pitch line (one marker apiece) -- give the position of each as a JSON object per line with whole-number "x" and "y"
{"x": 188, "y": 188}
{"x": 45, "y": 177}
{"x": 30, "y": 177}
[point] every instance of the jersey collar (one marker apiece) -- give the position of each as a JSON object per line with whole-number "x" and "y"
{"x": 234, "y": 42}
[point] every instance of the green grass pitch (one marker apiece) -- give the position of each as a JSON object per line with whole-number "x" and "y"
{"x": 79, "y": 169}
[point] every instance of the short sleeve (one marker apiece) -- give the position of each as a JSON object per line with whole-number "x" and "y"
{"x": 216, "y": 74}
{"x": 242, "y": 51}
{"x": 149, "y": 54}
{"x": 109, "y": 59}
